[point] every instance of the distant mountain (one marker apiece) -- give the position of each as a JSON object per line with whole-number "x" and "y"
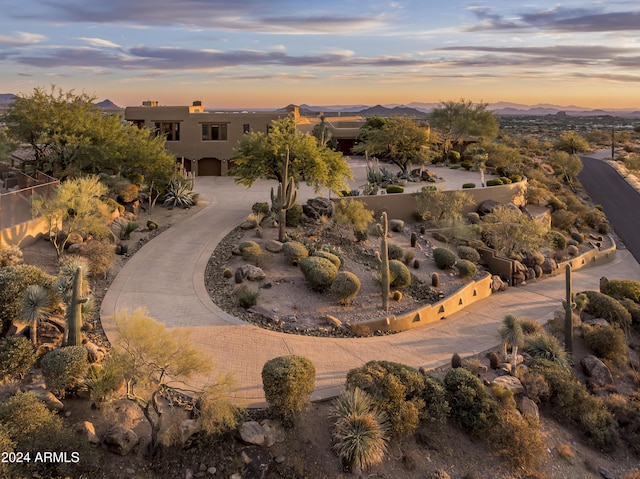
{"x": 107, "y": 105}
{"x": 384, "y": 111}
{"x": 6, "y": 98}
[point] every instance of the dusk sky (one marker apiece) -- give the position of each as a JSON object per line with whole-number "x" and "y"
{"x": 256, "y": 53}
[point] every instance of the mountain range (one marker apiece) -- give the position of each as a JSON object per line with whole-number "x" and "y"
{"x": 422, "y": 109}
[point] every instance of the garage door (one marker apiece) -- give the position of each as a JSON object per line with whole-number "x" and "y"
{"x": 209, "y": 167}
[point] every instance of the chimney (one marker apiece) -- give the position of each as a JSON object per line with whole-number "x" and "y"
{"x": 150, "y": 103}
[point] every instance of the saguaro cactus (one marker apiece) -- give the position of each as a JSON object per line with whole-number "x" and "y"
{"x": 383, "y": 258}
{"x": 569, "y": 305}
{"x": 285, "y": 198}
{"x": 74, "y": 311}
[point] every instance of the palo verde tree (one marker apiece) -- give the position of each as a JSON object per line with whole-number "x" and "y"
{"x": 399, "y": 139}
{"x": 74, "y": 207}
{"x": 571, "y": 142}
{"x": 261, "y": 156}
{"x": 508, "y": 231}
{"x": 458, "y": 120}
{"x": 71, "y": 136}
{"x": 566, "y": 165}
{"x": 155, "y": 361}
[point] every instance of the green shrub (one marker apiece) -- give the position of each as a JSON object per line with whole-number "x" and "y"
{"x": 261, "y": 208}
{"x": 603, "y": 228}
{"x": 14, "y": 280}
{"x": 360, "y": 235}
{"x": 394, "y": 189}
{"x": 603, "y": 306}
{"x": 319, "y": 272}
{"x": 468, "y": 185}
{"x": 444, "y": 258}
{"x": 535, "y": 385}
{"x": 572, "y": 250}
{"x": 396, "y": 225}
{"x": 633, "y": 308}
{"x": 396, "y": 389}
{"x": 472, "y": 408}
{"x": 408, "y": 256}
{"x": 288, "y": 382}
{"x": 294, "y": 252}
{"x": 64, "y": 368}
{"x": 10, "y": 256}
{"x": 345, "y": 287}
{"x": 330, "y": 256}
{"x": 545, "y": 346}
{"x": 400, "y": 276}
{"x": 254, "y": 254}
{"x": 607, "y": 342}
{"x": 16, "y": 356}
{"x": 529, "y": 326}
{"x": 494, "y": 182}
{"x": 395, "y": 251}
{"x": 128, "y": 193}
{"x": 519, "y": 441}
{"x": 360, "y": 433}
{"x": 468, "y": 253}
{"x": 247, "y": 297}
{"x": 622, "y": 288}
{"x": 557, "y": 240}
{"x": 563, "y": 219}
{"x": 100, "y": 255}
{"x": 556, "y": 203}
{"x": 466, "y": 164}
{"x": 103, "y": 378}
{"x": 466, "y": 268}
{"x": 294, "y": 216}
{"x": 579, "y": 237}
{"x": 247, "y": 245}
{"x": 592, "y": 218}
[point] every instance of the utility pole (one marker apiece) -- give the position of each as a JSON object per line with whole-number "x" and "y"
{"x": 613, "y": 141}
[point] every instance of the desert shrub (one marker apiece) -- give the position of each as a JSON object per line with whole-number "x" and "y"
{"x": 14, "y": 280}
{"x": 408, "y": 256}
{"x": 556, "y": 203}
{"x": 468, "y": 185}
{"x": 563, "y": 219}
{"x": 472, "y": 407}
{"x": 545, "y": 346}
{"x": 294, "y": 252}
{"x": 100, "y": 255}
{"x": 254, "y": 254}
{"x": 535, "y": 386}
{"x": 603, "y": 228}
{"x": 294, "y": 215}
{"x": 288, "y": 382}
{"x": 600, "y": 427}
{"x": 319, "y": 272}
{"x": 360, "y": 432}
{"x": 103, "y": 378}
{"x": 444, "y": 258}
{"x": 396, "y": 389}
{"x": 572, "y": 250}
{"x": 395, "y": 251}
{"x": 330, "y": 256}
{"x": 494, "y": 182}
{"x": 529, "y": 326}
{"x": 10, "y": 256}
{"x": 622, "y": 288}
{"x": 466, "y": 268}
{"x": 247, "y": 244}
{"x": 360, "y": 235}
{"x": 603, "y": 306}
{"x": 128, "y": 193}
{"x": 345, "y": 287}
{"x": 518, "y": 440}
{"x": 468, "y": 253}
{"x": 261, "y": 208}
{"x": 64, "y": 368}
{"x": 395, "y": 189}
{"x": 399, "y": 274}
{"x": 396, "y": 225}
{"x": 592, "y": 218}
{"x": 607, "y": 342}
{"x": 579, "y": 237}
{"x": 247, "y": 297}
{"x": 16, "y": 356}
{"x": 557, "y": 240}
{"x": 466, "y": 164}
{"x": 633, "y": 308}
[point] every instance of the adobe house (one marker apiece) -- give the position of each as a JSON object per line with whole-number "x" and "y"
{"x": 204, "y": 140}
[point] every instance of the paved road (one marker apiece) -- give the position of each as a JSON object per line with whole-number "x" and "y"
{"x": 620, "y": 201}
{"x": 167, "y": 276}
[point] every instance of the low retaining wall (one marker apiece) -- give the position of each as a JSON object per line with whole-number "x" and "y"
{"x": 595, "y": 257}
{"x": 24, "y": 234}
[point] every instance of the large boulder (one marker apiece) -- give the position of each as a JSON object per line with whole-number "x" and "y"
{"x": 252, "y": 273}
{"x": 487, "y": 206}
{"x": 95, "y": 353}
{"x": 528, "y": 408}
{"x": 47, "y": 397}
{"x": 511, "y": 383}
{"x": 273, "y": 432}
{"x": 549, "y": 266}
{"x": 317, "y": 207}
{"x": 87, "y": 429}
{"x": 120, "y": 440}
{"x": 597, "y": 371}
{"x": 251, "y": 432}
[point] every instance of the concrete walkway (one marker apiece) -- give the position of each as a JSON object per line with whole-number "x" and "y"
{"x": 167, "y": 277}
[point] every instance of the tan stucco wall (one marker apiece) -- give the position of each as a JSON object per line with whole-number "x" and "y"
{"x": 24, "y": 234}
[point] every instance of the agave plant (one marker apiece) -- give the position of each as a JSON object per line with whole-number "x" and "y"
{"x": 179, "y": 193}
{"x": 36, "y": 307}
{"x": 360, "y": 432}
{"x": 546, "y": 346}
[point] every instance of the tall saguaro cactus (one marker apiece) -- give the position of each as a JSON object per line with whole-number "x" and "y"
{"x": 74, "y": 311}
{"x": 569, "y": 305}
{"x": 383, "y": 258}
{"x": 285, "y": 198}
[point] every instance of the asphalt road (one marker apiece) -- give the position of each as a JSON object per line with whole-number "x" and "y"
{"x": 621, "y": 202}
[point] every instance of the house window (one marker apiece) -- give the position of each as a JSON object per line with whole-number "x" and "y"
{"x": 139, "y": 123}
{"x": 246, "y": 128}
{"x": 214, "y": 132}
{"x": 170, "y": 129}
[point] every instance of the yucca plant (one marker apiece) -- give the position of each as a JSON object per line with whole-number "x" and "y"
{"x": 68, "y": 267}
{"x": 512, "y": 337}
{"x": 179, "y": 193}
{"x": 360, "y": 432}
{"x": 546, "y": 346}
{"x": 36, "y": 307}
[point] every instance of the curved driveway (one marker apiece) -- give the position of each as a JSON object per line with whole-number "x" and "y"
{"x": 167, "y": 276}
